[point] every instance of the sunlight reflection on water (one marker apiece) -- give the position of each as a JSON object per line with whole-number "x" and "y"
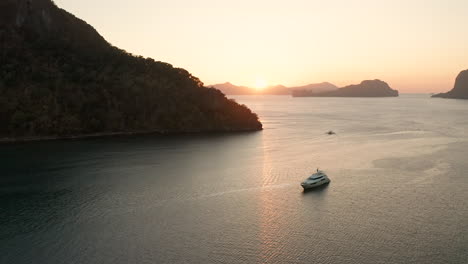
{"x": 397, "y": 191}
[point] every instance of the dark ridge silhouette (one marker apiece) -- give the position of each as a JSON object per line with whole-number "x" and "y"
{"x": 460, "y": 89}
{"x": 60, "y": 78}
{"x": 368, "y": 88}
{"x": 231, "y": 89}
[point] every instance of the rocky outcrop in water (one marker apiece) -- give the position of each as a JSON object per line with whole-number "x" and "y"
{"x": 59, "y": 78}
{"x": 460, "y": 90}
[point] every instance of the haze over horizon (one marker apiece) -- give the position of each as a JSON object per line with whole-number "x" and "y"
{"x": 417, "y": 46}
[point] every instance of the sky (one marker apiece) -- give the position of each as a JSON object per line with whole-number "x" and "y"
{"x": 415, "y": 46}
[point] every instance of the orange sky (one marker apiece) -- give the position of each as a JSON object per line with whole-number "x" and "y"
{"x": 414, "y": 45}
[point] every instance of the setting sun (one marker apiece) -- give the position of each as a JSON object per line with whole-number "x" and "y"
{"x": 260, "y": 83}
{"x": 233, "y": 131}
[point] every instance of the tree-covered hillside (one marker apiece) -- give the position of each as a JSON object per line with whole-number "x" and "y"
{"x": 59, "y": 77}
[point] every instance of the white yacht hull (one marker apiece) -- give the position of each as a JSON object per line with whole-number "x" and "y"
{"x": 310, "y": 185}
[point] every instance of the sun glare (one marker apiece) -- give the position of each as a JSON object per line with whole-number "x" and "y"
{"x": 260, "y": 83}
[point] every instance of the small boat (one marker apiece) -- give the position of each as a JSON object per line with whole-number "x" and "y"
{"x": 316, "y": 179}
{"x": 330, "y": 132}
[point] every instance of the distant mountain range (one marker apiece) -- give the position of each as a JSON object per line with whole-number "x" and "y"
{"x": 367, "y": 88}
{"x": 460, "y": 89}
{"x": 231, "y": 89}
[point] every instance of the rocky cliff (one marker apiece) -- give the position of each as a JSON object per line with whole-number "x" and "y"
{"x": 460, "y": 90}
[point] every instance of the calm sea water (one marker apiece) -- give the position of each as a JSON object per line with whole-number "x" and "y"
{"x": 398, "y": 194}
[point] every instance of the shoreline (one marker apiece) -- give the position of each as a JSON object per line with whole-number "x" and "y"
{"x": 9, "y": 140}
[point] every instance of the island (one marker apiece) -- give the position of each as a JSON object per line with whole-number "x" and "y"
{"x": 59, "y": 78}
{"x": 368, "y": 88}
{"x": 460, "y": 89}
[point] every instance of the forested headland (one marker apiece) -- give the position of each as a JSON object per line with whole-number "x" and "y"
{"x": 59, "y": 77}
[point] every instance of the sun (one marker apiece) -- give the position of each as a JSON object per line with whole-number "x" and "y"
{"x": 260, "y": 83}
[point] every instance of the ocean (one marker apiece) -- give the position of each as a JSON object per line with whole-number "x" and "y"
{"x": 398, "y": 192}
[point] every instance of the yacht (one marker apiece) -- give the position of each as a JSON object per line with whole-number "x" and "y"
{"x": 316, "y": 179}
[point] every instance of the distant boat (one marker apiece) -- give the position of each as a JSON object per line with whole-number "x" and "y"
{"x": 331, "y": 133}
{"x": 316, "y": 179}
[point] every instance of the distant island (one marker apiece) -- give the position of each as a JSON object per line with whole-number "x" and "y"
{"x": 368, "y": 88}
{"x": 60, "y": 78}
{"x": 231, "y": 89}
{"x": 460, "y": 89}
